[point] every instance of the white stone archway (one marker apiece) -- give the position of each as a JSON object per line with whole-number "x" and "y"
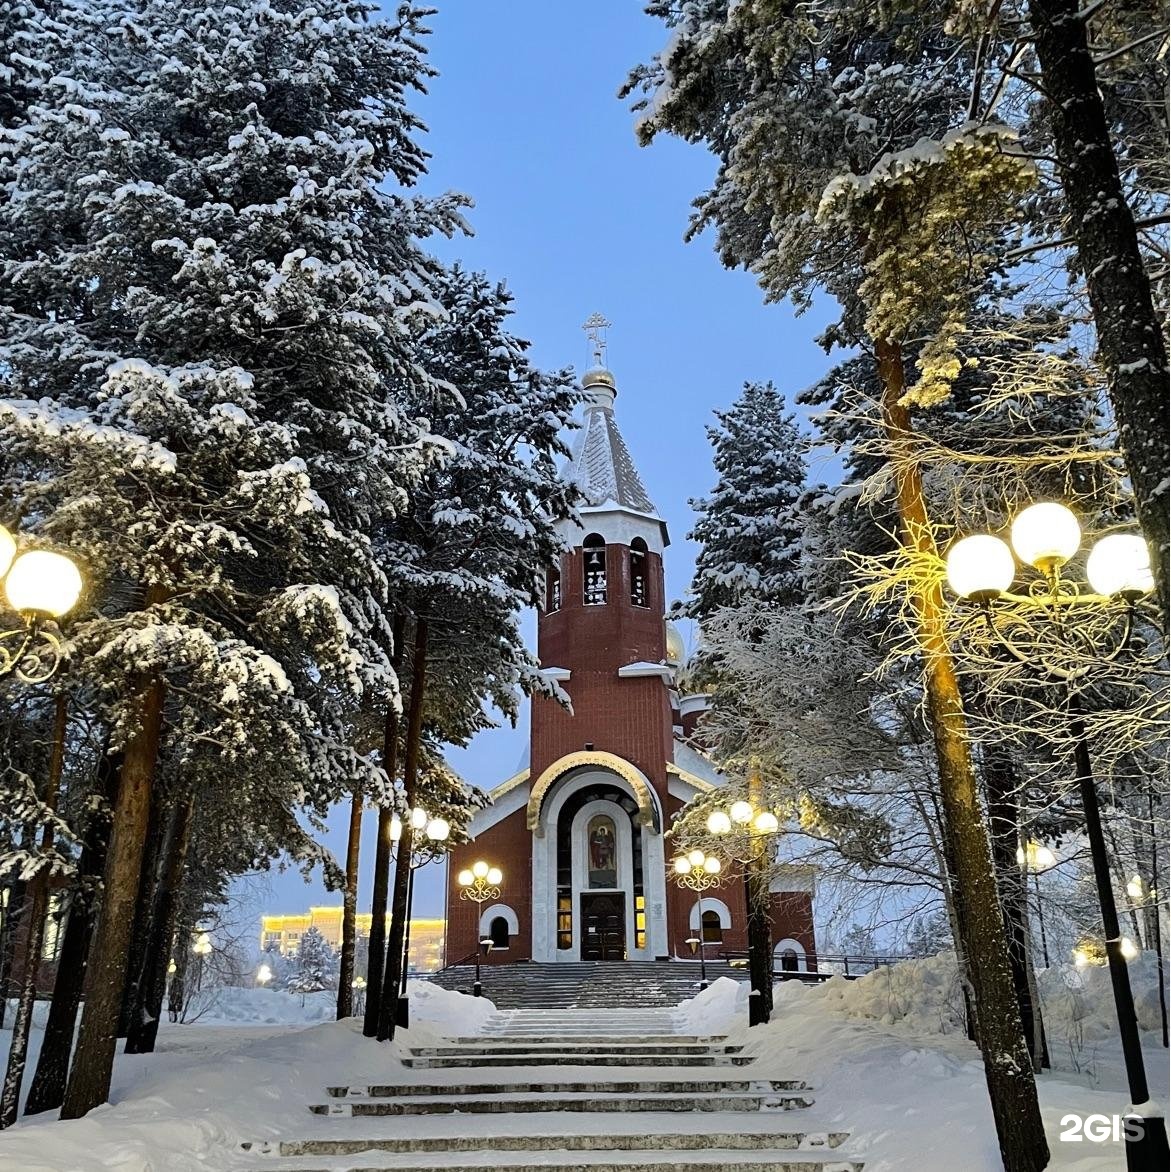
{"x": 797, "y": 947}
{"x": 710, "y": 905}
{"x": 576, "y": 776}
{"x": 498, "y": 911}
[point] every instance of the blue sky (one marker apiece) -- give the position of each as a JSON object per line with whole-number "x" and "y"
{"x": 578, "y": 218}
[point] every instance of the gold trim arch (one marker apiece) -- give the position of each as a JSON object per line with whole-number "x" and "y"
{"x": 598, "y": 760}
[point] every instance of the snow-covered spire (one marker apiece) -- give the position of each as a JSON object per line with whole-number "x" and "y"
{"x": 602, "y": 466}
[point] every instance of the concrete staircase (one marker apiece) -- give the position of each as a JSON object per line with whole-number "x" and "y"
{"x": 570, "y": 1091}
{"x": 586, "y": 984}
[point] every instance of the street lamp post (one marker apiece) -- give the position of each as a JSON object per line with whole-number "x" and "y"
{"x": 202, "y": 949}
{"x": 435, "y": 831}
{"x": 752, "y": 824}
{"x": 698, "y": 872}
{"x": 478, "y": 884}
{"x": 981, "y": 570}
{"x": 1036, "y": 858}
{"x": 41, "y": 586}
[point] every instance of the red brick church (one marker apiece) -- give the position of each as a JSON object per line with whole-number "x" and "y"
{"x": 578, "y": 832}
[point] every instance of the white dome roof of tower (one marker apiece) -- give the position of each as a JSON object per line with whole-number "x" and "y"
{"x": 676, "y": 652}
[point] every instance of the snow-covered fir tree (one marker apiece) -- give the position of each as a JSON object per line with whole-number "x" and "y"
{"x": 315, "y": 963}
{"x": 749, "y": 527}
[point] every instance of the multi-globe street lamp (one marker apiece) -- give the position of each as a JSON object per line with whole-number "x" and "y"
{"x": 478, "y": 884}
{"x": 981, "y": 570}
{"x": 40, "y": 586}
{"x": 419, "y": 826}
{"x": 698, "y": 872}
{"x": 202, "y": 947}
{"x": 748, "y": 826}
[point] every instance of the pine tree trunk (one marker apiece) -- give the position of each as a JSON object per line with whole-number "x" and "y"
{"x": 161, "y": 930}
{"x": 47, "y": 1089}
{"x": 148, "y": 884}
{"x": 38, "y": 905}
{"x": 345, "y": 984}
{"x": 177, "y": 987}
{"x": 1130, "y": 338}
{"x": 93, "y": 1061}
{"x": 1001, "y": 783}
{"x": 1007, "y": 1066}
{"x": 376, "y": 953}
{"x": 392, "y": 974}
{"x": 14, "y": 910}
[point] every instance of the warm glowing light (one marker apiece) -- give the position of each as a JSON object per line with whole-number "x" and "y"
{"x": 1127, "y": 948}
{"x": 42, "y": 582}
{"x": 766, "y": 822}
{"x": 396, "y": 828}
{"x": 1120, "y": 564}
{"x": 682, "y": 866}
{"x": 438, "y": 829}
{"x": 1135, "y": 887}
{"x": 465, "y": 879}
{"x": 7, "y": 550}
{"x": 263, "y": 975}
{"x": 718, "y": 822}
{"x": 980, "y": 567}
{"x": 202, "y": 945}
{"x": 172, "y": 968}
{"x": 1081, "y": 958}
{"x": 741, "y": 812}
{"x": 695, "y": 858}
{"x": 358, "y": 983}
{"x": 480, "y": 869}
{"x": 419, "y": 818}
{"x": 495, "y": 876}
{"x": 711, "y": 865}
{"x": 1043, "y": 857}
{"x": 1046, "y": 535}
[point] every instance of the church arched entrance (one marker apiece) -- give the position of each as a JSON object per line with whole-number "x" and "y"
{"x": 597, "y": 872}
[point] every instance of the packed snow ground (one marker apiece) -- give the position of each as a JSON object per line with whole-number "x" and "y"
{"x": 884, "y": 1055}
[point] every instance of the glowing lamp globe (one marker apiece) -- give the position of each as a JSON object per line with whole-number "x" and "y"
{"x": 1127, "y": 947}
{"x": 480, "y": 869}
{"x": 7, "y": 550}
{"x": 1046, "y": 535}
{"x": 438, "y": 829}
{"x": 682, "y": 866}
{"x": 419, "y": 818}
{"x": 695, "y": 858}
{"x": 1043, "y": 857}
{"x": 980, "y": 567}
{"x": 263, "y": 975}
{"x": 42, "y": 582}
{"x": 765, "y": 822}
{"x": 718, "y": 822}
{"x": 1134, "y": 887}
{"x": 741, "y": 812}
{"x": 396, "y": 828}
{"x": 465, "y": 878}
{"x": 495, "y": 875}
{"x": 1120, "y": 564}
{"x": 711, "y": 865}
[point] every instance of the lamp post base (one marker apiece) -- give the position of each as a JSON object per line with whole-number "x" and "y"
{"x": 402, "y": 1013}
{"x": 757, "y": 1009}
{"x": 1147, "y": 1151}
{"x": 704, "y": 984}
{"x": 477, "y": 989}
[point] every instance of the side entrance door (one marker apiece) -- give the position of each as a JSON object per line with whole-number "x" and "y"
{"x": 603, "y": 926}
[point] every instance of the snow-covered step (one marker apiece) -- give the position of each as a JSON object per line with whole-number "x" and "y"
{"x": 635, "y": 1142}
{"x": 710, "y": 1160}
{"x": 549, "y": 1058}
{"x": 563, "y": 1046}
{"x": 511, "y": 1103}
{"x": 618, "y": 1087}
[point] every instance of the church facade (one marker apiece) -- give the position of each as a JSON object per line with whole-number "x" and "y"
{"x": 578, "y": 833}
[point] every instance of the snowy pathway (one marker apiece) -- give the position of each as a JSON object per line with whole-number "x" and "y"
{"x": 618, "y": 1090}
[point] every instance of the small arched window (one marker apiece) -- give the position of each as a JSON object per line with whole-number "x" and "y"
{"x": 713, "y": 933}
{"x": 498, "y": 931}
{"x": 553, "y": 590}
{"x": 594, "y": 558}
{"x": 638, "y": 575}
{"x": 789, "y": 960}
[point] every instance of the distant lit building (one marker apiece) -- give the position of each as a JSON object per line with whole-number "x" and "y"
{"x": 283, "y": 934}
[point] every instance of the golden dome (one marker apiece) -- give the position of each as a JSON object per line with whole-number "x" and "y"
{"x": 676, "y": 652}
{"x": 597, "y": 376}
